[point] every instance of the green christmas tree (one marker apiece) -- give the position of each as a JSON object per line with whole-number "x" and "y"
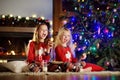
{"x": 95, "y": 26}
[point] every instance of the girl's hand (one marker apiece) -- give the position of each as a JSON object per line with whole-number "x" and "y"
{"x": 83, "y": 63}
{"x": 83, "y": 57}
{"x": 50, "y": 44}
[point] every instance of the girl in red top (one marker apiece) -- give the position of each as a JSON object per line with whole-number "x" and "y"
{"x": 39, "y": 49}
{"x": 64, "y": 48}
{"x": 65, "y": 52}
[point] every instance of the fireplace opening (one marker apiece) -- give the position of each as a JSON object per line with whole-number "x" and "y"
{"x": 14, "y": 43}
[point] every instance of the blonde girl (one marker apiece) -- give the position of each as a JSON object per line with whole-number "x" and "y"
{"x": 64, "y": 48}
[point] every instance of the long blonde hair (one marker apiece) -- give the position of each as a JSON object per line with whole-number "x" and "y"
{"x": 58, "y": 41}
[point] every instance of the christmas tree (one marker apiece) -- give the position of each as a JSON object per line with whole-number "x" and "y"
{"x": 95, "y": 27}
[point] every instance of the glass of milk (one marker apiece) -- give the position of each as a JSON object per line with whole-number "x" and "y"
{"x": 45, "y": 69}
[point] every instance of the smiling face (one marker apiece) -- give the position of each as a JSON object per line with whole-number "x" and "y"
{"x": 43, "y": 32}
{"x": 65, "y": 37}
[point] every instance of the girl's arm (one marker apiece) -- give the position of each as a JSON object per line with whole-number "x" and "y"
{"x": 31, "y": 52}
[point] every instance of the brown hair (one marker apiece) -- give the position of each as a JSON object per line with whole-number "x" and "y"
{"x": 35, "y": 35}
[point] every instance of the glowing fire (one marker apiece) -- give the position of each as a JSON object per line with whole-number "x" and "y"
{"x": 12, "y": 52}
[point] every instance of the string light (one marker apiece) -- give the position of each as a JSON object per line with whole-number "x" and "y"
{"x": 3, "y": 16}
{"x": 98, "y": 8}
{"x": 78, "y": 0}
{"x": 34, "y": 16}
{"x": 10, "y": 20}
{"x": 42, "y": 17}
{"x": 11, "y": 15}
{"x": 27, "y": 18}
{"x": 82, "y": 0}
{"x": 51, "y": 22}
{"x": 19, "y": 17}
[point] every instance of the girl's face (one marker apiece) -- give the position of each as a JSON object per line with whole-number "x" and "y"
{"x": 43, "y": 31}
{"x": 65, "y": 38}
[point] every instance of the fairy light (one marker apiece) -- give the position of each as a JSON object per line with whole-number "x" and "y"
{"x": 27, "y": 18}
{"x": 82, "y": 0}
{"x": 19, "y": 17}
{"x": 80, "y": 37}
{"x": 42, "y": 17}
{"x": 88, "y": 52}
{"x": 114, "y": 10}
{"x": 108, "y": 7}
{"x": 11, "y": 15}
{"x": 78, "y": 0}
{"x": 113, "y": 20}
{"x": 3, "y": 16}
{"x": 64, "y": 22}
{"x": 75, "y": 8}
{"x": 34, "y": 16}
{"x": 98, "y": 8}
{"x": 51, "y": 22}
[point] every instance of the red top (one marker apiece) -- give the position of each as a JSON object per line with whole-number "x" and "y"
{"x": 37, "y": 54}
{"x": 64, "y": 54}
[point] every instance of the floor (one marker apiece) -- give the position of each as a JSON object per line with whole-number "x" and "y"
{"x": 105, "y": 75}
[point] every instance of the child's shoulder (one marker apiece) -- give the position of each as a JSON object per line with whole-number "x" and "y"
{"x": 58, "y": 46}
{"x": 61, "y": 47}
{"x": 32, "y": 42}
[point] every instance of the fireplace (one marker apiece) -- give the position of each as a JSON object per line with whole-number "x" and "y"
{"x": 14, "y": 41}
